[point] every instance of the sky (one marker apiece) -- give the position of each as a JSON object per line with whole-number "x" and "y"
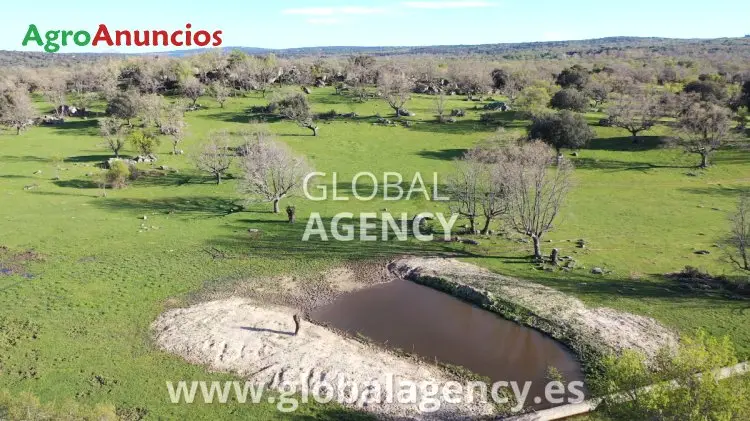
{"x": 311, "y": 23}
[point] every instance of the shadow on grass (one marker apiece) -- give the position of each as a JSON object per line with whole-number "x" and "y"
{"x": 625, "y": 144}
{"x": 245, "y": 116}
{"x": 175, "y": 179}
{"x": 443, "y": 154}
{"x": 89, "y": 158}
{"x": 611, "y": 164}
{"x": 459, "y": 127}
{"x": 76, "y": 184}
{"x": 274, "y": 238}
{"x": 735, "y": 192}
{"x": 78, "y": 127}
{"x": 193, "y": 205}
{"x": 25, "y": 158}
{"x": 13, "y": 176}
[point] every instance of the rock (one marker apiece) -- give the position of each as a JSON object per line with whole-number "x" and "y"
{"x": 406, "y": 113}
{"x": 306, "y": 90}
{"x": 581, "y": 244}
{"x": 146, "y": 158}
{"x": 144, "y": 217}
{"x": 605, "y": 122}
{"x": 163, "y": 168}
{"x": 253, "y": 230}
{"x": 597, "y": 271}
{"x": 37, "y": 172}
{"x": 497, "y": 105}
{"x": 574, "y": 154}
{"x": 470, "y": 242}
{"x": 458, "y": 112}
{"x": 702, "y": 252}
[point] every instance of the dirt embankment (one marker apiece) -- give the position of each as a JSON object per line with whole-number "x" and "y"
{"x": 248, "y": 330}
{"x": 549, "y": 310}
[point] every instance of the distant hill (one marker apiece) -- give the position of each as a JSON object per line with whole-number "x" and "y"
{"x": 508, "y": 51}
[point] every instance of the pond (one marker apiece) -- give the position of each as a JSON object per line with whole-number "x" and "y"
{"x": 436, "y": 326}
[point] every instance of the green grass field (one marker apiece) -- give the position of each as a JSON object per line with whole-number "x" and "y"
{"x": 77, "y": 326}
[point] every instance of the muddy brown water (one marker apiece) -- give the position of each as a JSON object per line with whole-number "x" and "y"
{"x": 417, "y": 319}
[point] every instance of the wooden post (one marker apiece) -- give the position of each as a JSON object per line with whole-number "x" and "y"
{"x": 296, "y": 324}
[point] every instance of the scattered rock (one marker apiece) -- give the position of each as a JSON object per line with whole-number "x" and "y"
{"x": 597, "y": 271}
{"x": 144, "y": 217}
{"x": 458, "y": 112}
{"x": 306, "y": 90}
{"x": 37, "y": 172}
{"x": 470, "y": 242}
{"x": 702, "y": 252}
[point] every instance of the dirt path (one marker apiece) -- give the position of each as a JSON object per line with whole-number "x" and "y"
{"x": 559, "y": 314}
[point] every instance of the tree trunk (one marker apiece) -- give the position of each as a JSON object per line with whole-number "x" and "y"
{"x": 18, "y": 130}
{"x": 486, "y": 228}
{"x": 218, "y": 178}
{"x": 472, "y": 226}
{"x": 537, "y": 248}
{"x": 704, "y": 160}
{"x": 314, "y": 130}
{"x": 276, "y": 205}
{"x": 635, "y": 137}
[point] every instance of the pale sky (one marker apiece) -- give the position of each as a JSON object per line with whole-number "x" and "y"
{"x": 297, "y": 23}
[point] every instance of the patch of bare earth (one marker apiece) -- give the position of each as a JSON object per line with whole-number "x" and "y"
{"x": 257, "y": 341}
{"x": 603, "y": 328}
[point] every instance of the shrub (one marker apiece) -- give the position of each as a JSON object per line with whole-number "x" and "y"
{"x": 570, "y": 99}
{"x": 118, "y": 174}
{"x": 677, "y": 393}
{"x": 562, "y": 130}
{"x": 144, "y": 142}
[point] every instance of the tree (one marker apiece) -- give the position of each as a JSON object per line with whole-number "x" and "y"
{"x": 470, "y": 78}
{"x": 220, "y": 92}
{"x": 465, "y": 187}
{"x": 113, "y": 130}
{"x": 535, "y": 189}
{"x": 634, "y": 113}
{"x": 271, "y": 171}
{"x": 669, "y": 387}
{"x": 117, "y": 175}
{"x": 124, "y": 105}
{"x": 172, "y": 123}
{"x": 599, "y": 92}
{"x": 296, "y": 108}
{"x": 144, "y": 141}
{"x": 192, "y": 88}
{"x": 149, "y": 109}
{"x": 570, "y": 99}
{"x": 440, "y": 107}
{"x": 708, "y": 90}
{"x": 704, "y": 127}
{"x": 214, "y": 156}
{"x": 533, "y": 100}
{"x": 395, "y": 88}
{"x": 564, "y": 129}
{"x": 739, "y": 238}
{"x": 575, "y": 76}
{"x": 509, "y": 84}
{"x": 17, "y": 110}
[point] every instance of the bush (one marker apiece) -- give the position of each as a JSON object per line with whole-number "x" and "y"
{"x": 118, "y": 174}
{"x": 144, "y": 142}
{"x": 570, "y": 99}
{"x": 677, "y": 393}
{"x": 562, "y": 130}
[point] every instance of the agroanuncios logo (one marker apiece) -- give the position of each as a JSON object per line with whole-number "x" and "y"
{"x": 53, "y": 40}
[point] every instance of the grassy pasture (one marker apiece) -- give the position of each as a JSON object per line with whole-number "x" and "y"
{"x": 74, "y": 324}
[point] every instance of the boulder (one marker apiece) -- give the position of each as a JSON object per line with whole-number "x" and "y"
{"x": 497, "y": 106}
{"x": 597, "y": 271}
{"x": 306, "y": 90}
{"x": 458, "y": 112}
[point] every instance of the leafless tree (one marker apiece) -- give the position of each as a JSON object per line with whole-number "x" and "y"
{"x": 739, "y": 239}
{"x": 192, "y": 88}
{"x": 214, "y": 156}
{"x": 17, "y": 110}
{"x": 465, "y": 188}
{"x": 220, "y": 92}
{"x": 149, "y": 109}
{"x": 395, "y": 88}
{"x": 537, "y": 183}
{"x": 271, "y": 171}
{"x": 470, "y": 77}
{"x": 113, "y": 130}
{"x": 440, "y": 107}
{"x": 634, "y": 113}
{"x": 704, "y": 127}
{"x": 172, "y": 123}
